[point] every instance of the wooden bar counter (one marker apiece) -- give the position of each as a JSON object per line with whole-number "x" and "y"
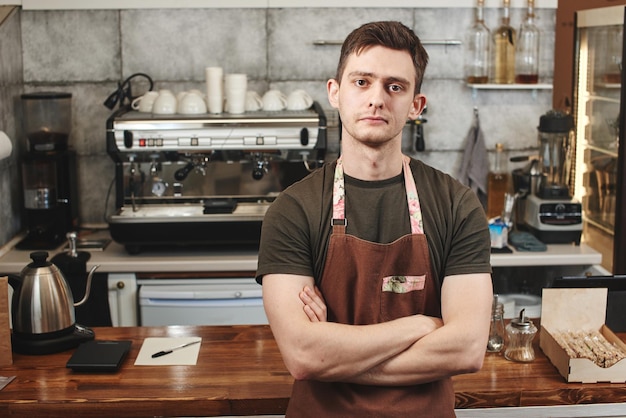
{"x": 240, "y": 372}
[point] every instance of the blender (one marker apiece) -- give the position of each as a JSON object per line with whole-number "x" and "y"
{"x": 48, "y": 171}
{"x": 551, "y": 214}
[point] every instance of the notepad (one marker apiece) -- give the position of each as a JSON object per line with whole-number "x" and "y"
{"x": 187, "y": 356}
{"x": 99, "y": 356}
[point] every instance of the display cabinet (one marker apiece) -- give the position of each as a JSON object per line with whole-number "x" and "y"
{"x": 598, "y": 167}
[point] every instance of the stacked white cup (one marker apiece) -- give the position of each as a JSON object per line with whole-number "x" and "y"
{"x": 144, "y": 103}
{"x": 215, "y": 89}
{"x": 165, "y": 103}
{"x": 235, "y": 88}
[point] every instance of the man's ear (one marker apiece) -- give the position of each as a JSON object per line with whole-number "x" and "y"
{"x": 332, "y": 87}
{"x": 417, "y": 106}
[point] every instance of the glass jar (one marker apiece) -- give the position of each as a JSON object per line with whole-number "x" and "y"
{"x": 504, "y": 39}
{"x": 495, "y": 344}
{"x": 498, "y": 182}
{"x": 477, "y": 56}
{"x": 527, "y": 54}
{"x": 520, "y": 333}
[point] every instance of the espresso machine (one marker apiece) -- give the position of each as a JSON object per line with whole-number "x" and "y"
{"x": 48, "y": 171}
{"x": 550, "y": 213}
{"x": 206, "y": 179}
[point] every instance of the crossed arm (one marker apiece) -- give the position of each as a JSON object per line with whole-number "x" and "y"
{"x": 409, "y": 350}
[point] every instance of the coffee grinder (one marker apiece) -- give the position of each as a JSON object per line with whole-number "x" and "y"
{"x": 551, "y": 214}
{"x": 48, "y": 171}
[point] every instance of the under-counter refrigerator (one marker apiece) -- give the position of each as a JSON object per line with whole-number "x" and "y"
{"x": 598, "y": 172}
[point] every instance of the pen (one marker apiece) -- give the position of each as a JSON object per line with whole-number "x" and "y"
{"x": 164, "y": 352}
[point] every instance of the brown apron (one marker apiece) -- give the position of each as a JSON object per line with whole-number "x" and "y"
{"x": 367, "y": 283}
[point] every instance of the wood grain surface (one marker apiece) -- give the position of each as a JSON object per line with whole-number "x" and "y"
{"x": 240, "y": 372}
{"x": 6, "y": 359}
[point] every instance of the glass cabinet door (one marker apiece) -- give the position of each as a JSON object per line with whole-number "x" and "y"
{"x": 597, "y": 111}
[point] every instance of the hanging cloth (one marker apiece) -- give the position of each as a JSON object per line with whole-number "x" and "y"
{"x": 475, "y": 164}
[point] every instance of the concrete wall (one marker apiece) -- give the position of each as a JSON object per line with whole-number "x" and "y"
{"x": 88, "y": 52}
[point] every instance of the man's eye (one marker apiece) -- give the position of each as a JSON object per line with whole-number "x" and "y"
{"x": 360, "y": 82}
{"x": 395, "y": 88}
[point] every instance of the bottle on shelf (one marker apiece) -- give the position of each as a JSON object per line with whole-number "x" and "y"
{"x": 477, "y": 41}
{"x": 504, "y": 39}
{"x": 527, "y": 53}
{"x": 498, "y": 181}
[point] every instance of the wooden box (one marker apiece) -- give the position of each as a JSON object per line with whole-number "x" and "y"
{"x": 6, "y": 356}
{"x": 578, "y": 310}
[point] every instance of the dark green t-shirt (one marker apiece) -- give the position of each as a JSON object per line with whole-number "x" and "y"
{"x": 297, "y": 226}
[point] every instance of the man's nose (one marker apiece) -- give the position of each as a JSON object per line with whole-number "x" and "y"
{"x": 377, "y": 96}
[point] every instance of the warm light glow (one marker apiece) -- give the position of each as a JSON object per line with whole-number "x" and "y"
{"x": 582, "y": 121}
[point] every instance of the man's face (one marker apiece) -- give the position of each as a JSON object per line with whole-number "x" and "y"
{"x": 375, "y": 96}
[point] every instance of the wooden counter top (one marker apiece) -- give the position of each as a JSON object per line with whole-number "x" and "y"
{"x": 240, "y": 372}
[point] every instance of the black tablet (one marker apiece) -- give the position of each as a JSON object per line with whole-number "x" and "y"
{"x": 99, "y": 356}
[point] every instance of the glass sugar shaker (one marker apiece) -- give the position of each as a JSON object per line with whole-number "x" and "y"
{"x": 495, "y": 344}
{"x": 520, "y": 333}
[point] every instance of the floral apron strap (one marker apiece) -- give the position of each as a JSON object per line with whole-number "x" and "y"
{"x": 339, "y": 198}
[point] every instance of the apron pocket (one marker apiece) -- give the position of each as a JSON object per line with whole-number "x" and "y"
{"x": 402, "y": 296}
{"x": 403, "y": 284}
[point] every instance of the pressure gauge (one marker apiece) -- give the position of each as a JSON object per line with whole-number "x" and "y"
{"x": 158, "y": 187}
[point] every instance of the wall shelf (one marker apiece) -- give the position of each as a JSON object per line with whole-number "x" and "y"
{"x": 181, "y": 4}
{"x": 444, "y": 42}
{"x": 492, "y": 86}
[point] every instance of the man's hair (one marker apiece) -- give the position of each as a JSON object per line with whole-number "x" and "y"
{"x": 389, "y": 34}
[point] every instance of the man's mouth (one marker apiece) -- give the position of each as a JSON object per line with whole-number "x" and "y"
{"x": 373, "y": 119}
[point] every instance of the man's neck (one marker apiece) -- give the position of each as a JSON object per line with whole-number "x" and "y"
{"x": 366, "y": 163}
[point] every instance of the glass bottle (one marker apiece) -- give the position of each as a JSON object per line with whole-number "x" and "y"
{"x": 477, "y": 41}
{"x": 497, "y": 184}
{"x": 520, "y": 334}
{"x": 504, "y": 38}
{"x": 527, "y": 53}
{"x": 495, "y": 344}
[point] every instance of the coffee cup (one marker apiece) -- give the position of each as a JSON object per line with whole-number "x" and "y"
{"x": 235, "y": 88}
{"x": 196, "y": 91}
{"x": 299, "y": 100}
{"x": 253, "y": 101}
{"x": 165, "y": 103}
{"x": 215, "y": 89}
{"x": 274, "y": 100}
{"x": 179, "y": 96}
{"x": 144, "y": 103}
{"x": 192, "y": 103}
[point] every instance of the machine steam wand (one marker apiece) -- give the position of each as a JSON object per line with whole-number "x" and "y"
{"x": 131, "y": 181}
{"x": 260, "y": 168}
{"x": 195, "y": 163}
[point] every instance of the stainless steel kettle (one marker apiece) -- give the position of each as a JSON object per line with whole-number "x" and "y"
{"x": 42, "y": 299}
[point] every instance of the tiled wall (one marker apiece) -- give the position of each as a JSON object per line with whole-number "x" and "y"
{"x": 88, "y": 52}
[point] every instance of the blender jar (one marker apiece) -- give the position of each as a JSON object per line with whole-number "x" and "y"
{"x": 556, "y": 131}
{"x": 47, "y": 120}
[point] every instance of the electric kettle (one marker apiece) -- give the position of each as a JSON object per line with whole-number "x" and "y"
{"x": 43, "y": 309}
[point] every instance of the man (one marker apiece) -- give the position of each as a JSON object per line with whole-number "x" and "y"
{"x": 375, "y": 268}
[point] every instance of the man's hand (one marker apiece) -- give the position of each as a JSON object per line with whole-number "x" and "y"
{"x": 314, "y": 305}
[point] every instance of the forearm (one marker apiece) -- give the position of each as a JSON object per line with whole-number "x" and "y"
{"x": 444, "y": 352}
{"x": 455, "y": 348}
{"x": 316, "y": 349}
{"x": 329, "y": 351}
